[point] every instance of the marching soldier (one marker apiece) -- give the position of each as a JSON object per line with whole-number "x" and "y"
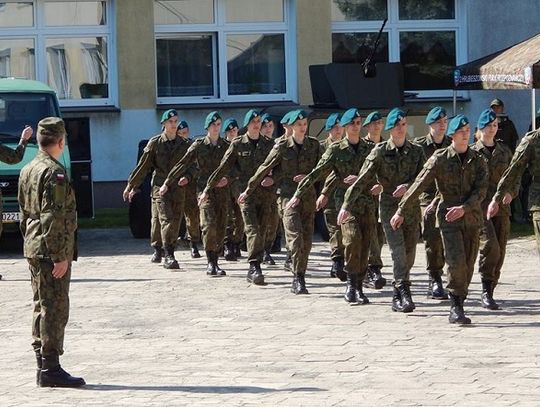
{"x": 393, "y": 165}
{"x": 436, "y": 139}
{"x": 160, "y": 154}
{"x": 461, "y": 176}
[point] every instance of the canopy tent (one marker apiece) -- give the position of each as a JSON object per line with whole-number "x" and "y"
{"x": 516, "y": 67}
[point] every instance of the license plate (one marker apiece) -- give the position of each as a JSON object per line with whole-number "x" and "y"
{"x": 10, "y": 217}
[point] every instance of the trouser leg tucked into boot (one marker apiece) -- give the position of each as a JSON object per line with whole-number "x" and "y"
{"x": 194, "y": 250}
{"x": 52, "y": 374}
{"x": 436, "y": 289}
{"x": 211, "y": 268}
{"x": 457, "y": 314}
{"x": 39, "y": 364}
{"x": 267, "y": 259}
{"x": 255, "y": 275}
{"x": 487, "y": 295}
{"x": 158, "y": 254}
{"x": 374, "y": 278}
{"x": 170, "y": 262}
{"x": 299, "y": 285}
{"x": 230, "y": 254}
{"x": 407, "y": 304}
{"x": 338, "y": 269}
{"x": 352, "y": 287}
{"x": 288, "y": 262}
{"x": 220, "y": 272}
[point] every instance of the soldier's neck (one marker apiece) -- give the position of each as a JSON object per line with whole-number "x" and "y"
{"x": 486, "y": 140}
{"x": 353, "y": 138}
{"x": 438, "y": 139}
{"x": 170, "y": 136}
{"x": 376, "y": 138}
{"x": 254, "y": 136}
{"x": 54, "y": 151}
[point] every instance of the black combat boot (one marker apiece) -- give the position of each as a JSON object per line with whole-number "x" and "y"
{"x": 236, "y": 248}
{"x": 158, "y": 254}
{"x": 170, "y": 262}
{"x": 300, "y": 284}
{"x": 407, "y": 304}
{"x": 352, "y": 288}
{"x": 360, "y": 296}
{"x": 487, "y": 296}
{"x": 288, "y": 262}
{"x": 52, "y": 374}
{"x": 267, "y": 258}
{"x": 294, "y": 284}
{"x": 228, "y": 250}
{"x": 219, "y": 271}
{"x": 211, "y": 268}
{"x": 255, "y": 275}
{"x": 276, "y": 246}
{"x": 436, "y": 289}
{"x": 194, "y": 250}
{"x": 374, "y": 278}
{"x": 39, "y": 363}
{"x": 396, "y": 300}
{"x": 338, "y": 267}
{"x": 457, "y": 314}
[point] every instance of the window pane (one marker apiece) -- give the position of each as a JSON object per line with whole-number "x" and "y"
{"x": 17, "y": 58}
{"x": 20, "y": 14}
{"x": 359, "y": 10}
{"x": 184, "y": 12}
{"x": 427, "y": 10}
{"x": 185, "y": 65}
{"x": 75, "y": 13}
{"x": 78, "y": 67}
{"x": 248, "y": 11}
{"x": 428, "y": 59}
{"x": 256, "y": 64}
{"x": 356, "y": 47}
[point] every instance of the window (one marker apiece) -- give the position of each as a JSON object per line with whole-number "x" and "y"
{"x": 427, "y": 37}
{"x": 66, "y": 44}
{"x": 224, "y": 50}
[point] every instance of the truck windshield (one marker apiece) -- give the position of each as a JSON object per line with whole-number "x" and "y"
{"x": 18, "y": 110}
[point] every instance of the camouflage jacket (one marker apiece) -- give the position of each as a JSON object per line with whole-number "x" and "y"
{"x": 48, "y": 210}
{"x": 159, "y": 156}
{"x": 388, "y": 166}
{"x": 497, "y": 162}
{"x": 9, "y": 156}
{"x": 527, "y": 155}
{"x": 204, "y": 155}
{"x": 341, "y": 160}
{"x": 241, "y": 160}
{"x": 429, "y": 147}
{"x": 286, "y": 161}
{"x": 458, "y": 184}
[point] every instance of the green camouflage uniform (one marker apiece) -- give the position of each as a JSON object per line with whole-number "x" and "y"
{"x": 207, "y": 157}
{"x": 160, "y": 155}
{"x": 286, "y": 160}
{"x": 430, "y": 232}
{"x": 275, "y": 219}
{"x": 242, "y": 159}
{"x": 342, "y": 160}
{"x": 191, "y": 210}
{"x": 494, "y": 233}
{"x": 390, "y": 167}
{"x": 48, "y": 225}
{"x": 527, "y": 156}
{"x": 235, "y": 223}
{"x": 458, "y": 184}
{"x": 9, "y": 156}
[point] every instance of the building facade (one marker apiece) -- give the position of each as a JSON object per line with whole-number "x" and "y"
{"x": 117, "y": 64}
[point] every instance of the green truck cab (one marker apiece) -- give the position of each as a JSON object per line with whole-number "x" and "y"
{"x": 22, "y": 102}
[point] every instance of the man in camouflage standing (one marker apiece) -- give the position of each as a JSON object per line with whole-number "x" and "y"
{"x": 244, "y": 156}
{"x": 9, "y": 156}
{"x": 49, "y": 226}
{"x": 436, "y": 139}
{"x": 461, "y": 176}
{"x": 393, "y": 165}
{"x": 160, "y": 154}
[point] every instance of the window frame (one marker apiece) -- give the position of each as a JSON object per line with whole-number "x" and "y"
{"x": 220, "y": 29}
{"x": 40, "y": 32}
{"x": 394, "y": 27}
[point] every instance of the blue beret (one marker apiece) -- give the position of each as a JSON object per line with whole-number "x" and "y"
{"x": 372, "y": 117}
{"x": 456, "y": 123}
{"x": 349, "y": 116}
{"x": 211, "y": 118}
{"x": 332, "y": 120}
{"x": 296, "y": 115}
{"x": 229, "y": 124}
{"x": 182, "y": 124}
{"x": 285, "y": 118}
{"x": 394, "y": 116}
{"x": 486, "y": 117}
{"x": 435, "y": 114}
{"x": 250, "y": 115}
{"x": 168, "y": 114}
{"x": 266, "y": 118}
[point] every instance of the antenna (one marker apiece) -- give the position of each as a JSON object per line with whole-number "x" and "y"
{"x": 367, "y": 66}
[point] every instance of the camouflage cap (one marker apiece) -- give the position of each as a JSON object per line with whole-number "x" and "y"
{"x": 53, "y": 126}
{"x": 496, "y": 102}
{"x": 486, "y": 117}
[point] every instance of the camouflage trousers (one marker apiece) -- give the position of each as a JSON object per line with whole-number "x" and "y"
{"x": 256, "y": 212}
{"x": 536, "y": 225}
{"x": 214, "y": 219}
{"x": 402, "y": 244}
{"x": 357, "y": 236}
{"x": 376, "y": 244}
{"x": 493, "y": 239}
{"x": 298, "y": 225}
{"x": 235, "y": 223}
{"x": 432, "y": 242}
{"x": 191, "y": 215}
{"x": 460, "y": 250}
{"x": 273, "y": 226}
{"x": 337, "y": 250}
{"x": 166, "y": 219}
{"x": 51, "y": 307}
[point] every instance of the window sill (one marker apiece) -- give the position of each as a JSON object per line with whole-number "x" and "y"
{"x": 89, "y": 109}
{"x": 431, "y": 99}
{"x": 223, "y": 105}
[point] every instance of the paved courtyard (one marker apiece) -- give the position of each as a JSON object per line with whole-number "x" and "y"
{"x": 144, "y": 336}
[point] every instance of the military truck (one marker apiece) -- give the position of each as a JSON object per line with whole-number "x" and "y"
{"x": 22, "y": 102}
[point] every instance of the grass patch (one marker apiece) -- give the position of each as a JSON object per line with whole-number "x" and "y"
{"x": 521, "y": 230}
{"x": 106, "y": 218}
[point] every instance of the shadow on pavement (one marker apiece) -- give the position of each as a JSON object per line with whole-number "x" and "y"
{"x": 200, "y": 389}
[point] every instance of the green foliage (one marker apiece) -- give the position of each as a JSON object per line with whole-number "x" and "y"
{"x": 106, "y": 218}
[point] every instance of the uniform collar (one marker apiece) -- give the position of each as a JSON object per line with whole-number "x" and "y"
{"x": 391, "y": 146}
